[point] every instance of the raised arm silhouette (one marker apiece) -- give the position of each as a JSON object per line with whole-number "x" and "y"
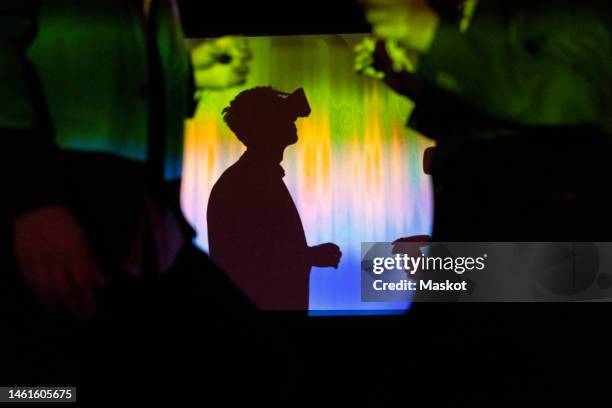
{"x": 254, "y": 229}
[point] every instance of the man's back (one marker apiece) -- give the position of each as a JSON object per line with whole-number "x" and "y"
{"x": 256, "y": 235}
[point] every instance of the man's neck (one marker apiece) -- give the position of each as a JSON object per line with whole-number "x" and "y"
{"x": 265, "y": 155}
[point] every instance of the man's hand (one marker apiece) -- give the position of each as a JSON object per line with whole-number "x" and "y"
{"x": 325, "y": 255}
{"x": 374, "y": 57}
{"x": 364, "y": 58}
{"x": 55, "y": 261}
{"x": 220, "y": 63}
{"x": 412, "y": 23}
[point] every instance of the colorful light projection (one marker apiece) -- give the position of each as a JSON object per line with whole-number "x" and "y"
{"x": 355, "y": 173}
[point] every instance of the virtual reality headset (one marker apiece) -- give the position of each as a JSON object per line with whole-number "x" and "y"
{"x": 296, "y": 103}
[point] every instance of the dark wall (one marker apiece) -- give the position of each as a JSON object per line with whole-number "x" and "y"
{"x": 215, "y": 18}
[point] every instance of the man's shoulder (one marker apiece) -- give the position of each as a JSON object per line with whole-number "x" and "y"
{"x": 236, "y": 194}
{"x": 234, "y": 175}
{"x": 232, "y": 182}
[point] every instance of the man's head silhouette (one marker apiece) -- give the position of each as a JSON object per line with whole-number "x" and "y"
{"x": 264, "y": 118}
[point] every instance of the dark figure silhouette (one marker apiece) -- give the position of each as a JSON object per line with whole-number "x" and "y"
{"x": 254, "y": 229}
{"x": 99, "y": 281}
{"x": 518, "y": 100}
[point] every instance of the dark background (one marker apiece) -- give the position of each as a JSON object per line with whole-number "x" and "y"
{"x": 216, "y": 18}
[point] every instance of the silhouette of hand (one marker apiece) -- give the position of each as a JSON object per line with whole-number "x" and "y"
{"x": 55, "y": 261}
{"x": 364, "y": 58}
{"x": 325, "y": 255}
{"x": 221, "y": 63}
{"x": 372, "y": 57}
{"x": 412, "y": 23}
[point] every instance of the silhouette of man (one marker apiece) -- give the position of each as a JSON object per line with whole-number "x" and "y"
{"x": 254, "y": 229}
